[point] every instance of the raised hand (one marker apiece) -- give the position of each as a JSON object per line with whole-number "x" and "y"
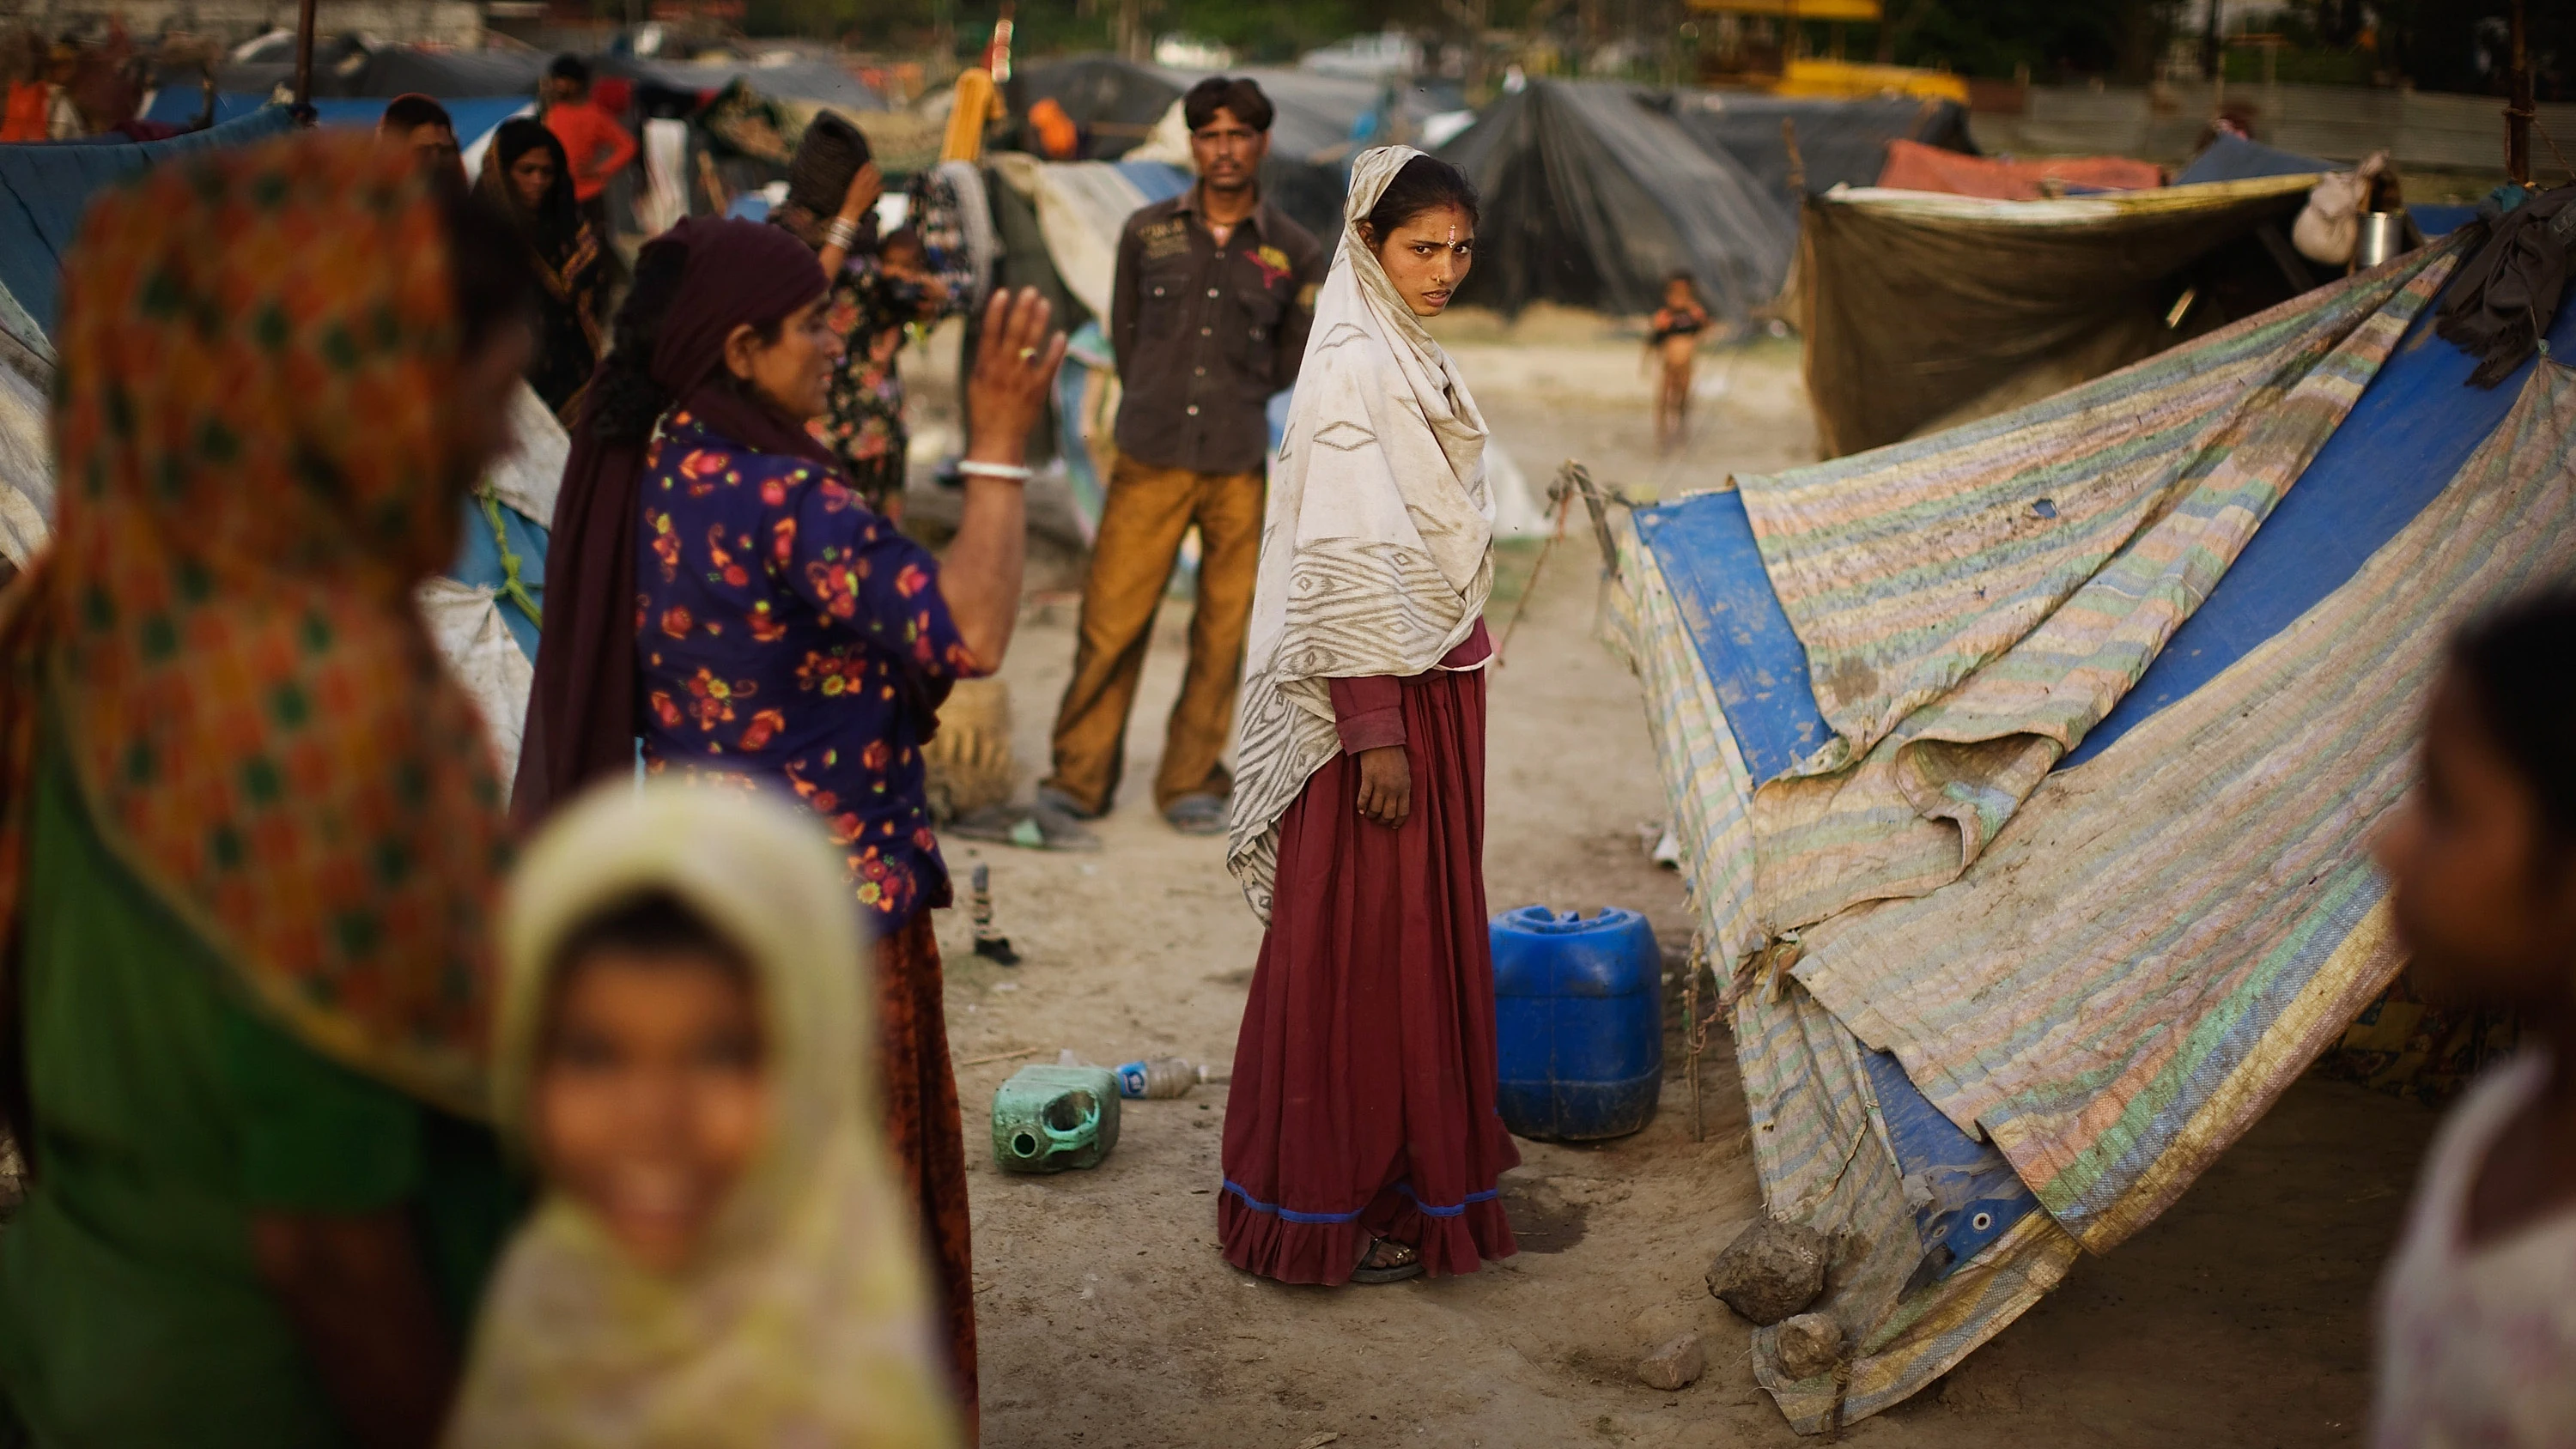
{"x": 1015, "y": 363}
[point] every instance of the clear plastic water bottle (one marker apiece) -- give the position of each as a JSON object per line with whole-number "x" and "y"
{"x": 1161, "y": 1077}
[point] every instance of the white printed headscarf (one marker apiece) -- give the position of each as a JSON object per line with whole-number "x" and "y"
{"x": 1376, "y": 554}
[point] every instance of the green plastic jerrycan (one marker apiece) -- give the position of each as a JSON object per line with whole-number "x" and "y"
{"x": 1052, "y": 1118}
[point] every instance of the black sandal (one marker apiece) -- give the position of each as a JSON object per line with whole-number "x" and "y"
{"x": 1408, "y": 1266}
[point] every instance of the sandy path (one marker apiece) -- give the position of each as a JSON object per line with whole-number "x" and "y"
{"x": 1109, "y": 1320}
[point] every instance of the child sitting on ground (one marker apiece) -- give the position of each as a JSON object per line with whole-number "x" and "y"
{"x": 2477, "y": 1323}
{"x": 722, "y": 1256}
{"x": 1674, "y": 336}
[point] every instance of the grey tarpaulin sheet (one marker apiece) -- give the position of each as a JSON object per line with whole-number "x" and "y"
{"x": 1840, "y": 142}
{"x": 1594, "y": 195}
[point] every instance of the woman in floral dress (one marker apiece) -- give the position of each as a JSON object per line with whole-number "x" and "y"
{"x": 717, "y": 587}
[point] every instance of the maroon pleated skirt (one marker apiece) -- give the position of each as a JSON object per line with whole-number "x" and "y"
{"x": 1363, "y": 1095}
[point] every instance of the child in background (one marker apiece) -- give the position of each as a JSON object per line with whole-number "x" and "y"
{"x": 1675, "y": 338}
{"x": 722, "y": 1256}
{"x": 2477, "y": 1322}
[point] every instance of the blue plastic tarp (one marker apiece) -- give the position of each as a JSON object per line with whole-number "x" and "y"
{"x": 2233, "y": 158}
{"x": 475, "y": 116}
{"x": 1724, "y": 597}
{"x": 2415, "y": 425}
{"x": 45, "y": 188}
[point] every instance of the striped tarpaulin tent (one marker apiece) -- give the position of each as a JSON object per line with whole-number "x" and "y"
{"x": 2024, "y": 776}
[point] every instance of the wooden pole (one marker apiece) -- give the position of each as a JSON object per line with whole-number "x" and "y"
{"x": 304, "y": 55}
{"x": 2518, "y": 110}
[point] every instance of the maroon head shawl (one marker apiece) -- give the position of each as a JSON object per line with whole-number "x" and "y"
{"x": 582, "y": 711}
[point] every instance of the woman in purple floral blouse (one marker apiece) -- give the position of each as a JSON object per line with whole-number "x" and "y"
{"x": 782, "y": 633}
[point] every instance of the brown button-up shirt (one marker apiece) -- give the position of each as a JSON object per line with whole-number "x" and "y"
{"x": 1206, "y": 333}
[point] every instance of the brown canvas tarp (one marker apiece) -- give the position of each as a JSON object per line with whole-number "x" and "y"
{"x": 1923, "y": 309}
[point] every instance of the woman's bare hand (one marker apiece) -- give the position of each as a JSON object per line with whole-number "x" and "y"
{"x": 1015, "y": 362}
{"x": 866, "y": 189}
{"x": 1386, "y": 786}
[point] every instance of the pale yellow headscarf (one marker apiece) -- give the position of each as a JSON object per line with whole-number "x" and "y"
{"x": 806, "y": 1319}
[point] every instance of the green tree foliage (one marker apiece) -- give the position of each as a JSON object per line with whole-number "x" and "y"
{"x": 2460, "y": 45}
{"x": 2053, "y": 39}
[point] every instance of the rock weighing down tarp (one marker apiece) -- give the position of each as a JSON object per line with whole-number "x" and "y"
{"x": 2104, "y": 698}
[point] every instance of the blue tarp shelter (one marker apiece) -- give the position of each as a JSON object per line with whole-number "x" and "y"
{"x": 45, "y": 187}
{"x": 2034, "y": 853}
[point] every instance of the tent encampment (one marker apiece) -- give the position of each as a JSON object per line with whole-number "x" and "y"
{"x": 1923, "y": 310}
{"x": 1594, "y": 195}
{"x": 1322, "y": 120}
{"x": 1838, "y": 142}
{"x": 348, "y": 66}
{"x": 2025, "y": 773}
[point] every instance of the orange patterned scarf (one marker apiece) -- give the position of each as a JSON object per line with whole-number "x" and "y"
{"x": 257, "y": 349}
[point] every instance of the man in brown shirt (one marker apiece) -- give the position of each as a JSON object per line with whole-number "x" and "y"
{"x": 1214, "y": 295}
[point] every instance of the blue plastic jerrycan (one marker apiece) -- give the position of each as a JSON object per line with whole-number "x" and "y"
{"x": 1579, "y": 1019}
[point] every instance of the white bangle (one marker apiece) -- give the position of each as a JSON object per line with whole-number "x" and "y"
{"x": 841, "y": 233}
{"x": 1008, "y": 472}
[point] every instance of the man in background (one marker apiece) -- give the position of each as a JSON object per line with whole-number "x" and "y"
{"x": 1214, "y": 295}
{"x": 422, "y": 126}
{"x": 594, "y": 143}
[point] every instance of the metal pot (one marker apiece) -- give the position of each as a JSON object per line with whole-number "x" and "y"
{"x": 2383, "y": 235}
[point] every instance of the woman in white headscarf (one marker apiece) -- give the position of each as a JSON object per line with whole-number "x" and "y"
{"x": 1361, "y": 1140}
{"x": 723, "y": 1256}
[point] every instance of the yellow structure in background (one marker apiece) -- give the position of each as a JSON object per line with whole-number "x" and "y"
{"x": 1807, "y": 76}
{"x": 1862, "y": 10}
{"x": 978, "y": 103}
{"x": 1854, "y": 78}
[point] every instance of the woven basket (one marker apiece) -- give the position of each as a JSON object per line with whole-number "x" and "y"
{"x": 970, "y": 761}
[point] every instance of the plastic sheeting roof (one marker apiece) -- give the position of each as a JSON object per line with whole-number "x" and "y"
{"x": 48, "y": 186}
{"x": 1594, "y": 195}
{"x": 1840, "y": 142}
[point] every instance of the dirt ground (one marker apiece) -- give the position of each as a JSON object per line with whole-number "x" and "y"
{"x": 1108, "y": 1318}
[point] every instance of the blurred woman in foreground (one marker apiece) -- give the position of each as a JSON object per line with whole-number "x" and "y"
{"x": 249, "y": 832}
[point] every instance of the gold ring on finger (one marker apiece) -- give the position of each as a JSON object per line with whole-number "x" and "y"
{"x": 1027, "y": 352}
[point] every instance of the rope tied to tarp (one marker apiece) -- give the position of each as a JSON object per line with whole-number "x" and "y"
{"x": 513, "y": 587}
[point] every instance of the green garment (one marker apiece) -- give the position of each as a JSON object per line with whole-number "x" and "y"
{"x": 166, "y": 1115}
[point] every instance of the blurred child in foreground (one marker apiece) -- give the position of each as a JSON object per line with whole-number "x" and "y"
{"x": 722, "y": 1255}
{"x": 2477, "y": 1319}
